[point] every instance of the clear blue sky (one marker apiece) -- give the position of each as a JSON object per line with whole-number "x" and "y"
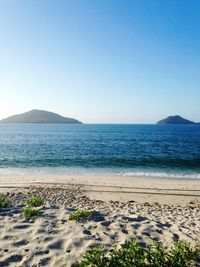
{"x": 99, "y": 61}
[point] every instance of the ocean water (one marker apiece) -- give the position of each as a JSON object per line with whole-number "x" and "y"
{"x": 171, "y": 151}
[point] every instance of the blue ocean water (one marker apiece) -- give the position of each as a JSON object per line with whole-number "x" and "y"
{"x": 129, "y": 150}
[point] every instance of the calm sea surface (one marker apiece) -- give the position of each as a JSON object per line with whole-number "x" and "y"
{"x": 129, "y": 150}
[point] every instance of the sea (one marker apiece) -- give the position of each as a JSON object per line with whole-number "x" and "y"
{"x": 163, "y": 151}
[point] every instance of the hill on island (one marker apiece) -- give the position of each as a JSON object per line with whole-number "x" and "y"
{"x": 175, "y": 120}
{"x": 39, "y": 116}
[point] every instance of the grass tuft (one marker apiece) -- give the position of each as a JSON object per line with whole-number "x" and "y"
{"x": 80, "y": 215}
{"x": 130, "y": 254}
{"x": 29, "y": 213}
{"x": 4, "y": 203}
{"x": 36, "y": 201}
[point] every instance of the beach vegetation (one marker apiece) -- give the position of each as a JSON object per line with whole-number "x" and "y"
{"x": 4, "y": 203}
{"x": 29, "y": 213}
{"x": 131, "y": 254}
{"x": 36, "y": 201}
{"x": 80, "y": 215}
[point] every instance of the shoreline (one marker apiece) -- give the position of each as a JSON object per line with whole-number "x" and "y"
{"x": 108, "y": 172}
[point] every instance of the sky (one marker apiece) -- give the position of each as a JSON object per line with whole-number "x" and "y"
{"x": 102, "y": 61}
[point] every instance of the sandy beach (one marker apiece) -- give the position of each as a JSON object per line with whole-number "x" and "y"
{"x": 145, "y": 209}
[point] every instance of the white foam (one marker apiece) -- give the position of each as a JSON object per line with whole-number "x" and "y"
{"x": 163, "y": 175}
{"x": 96, "y": 171}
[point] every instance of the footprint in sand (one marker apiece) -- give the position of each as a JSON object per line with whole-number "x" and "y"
{"x": 12, "y": 259}
{"x": 56, "y": 245}
{"x": 21, "y": 243}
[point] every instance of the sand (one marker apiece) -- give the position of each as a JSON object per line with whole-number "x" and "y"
{"x": 144, "y": 209}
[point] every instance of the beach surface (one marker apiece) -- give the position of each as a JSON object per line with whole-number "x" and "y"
{"x": 145, "y": 209}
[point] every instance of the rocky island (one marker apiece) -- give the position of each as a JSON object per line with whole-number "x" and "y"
{"x": 175, "y": 120}
{"x": 39, "y": 116}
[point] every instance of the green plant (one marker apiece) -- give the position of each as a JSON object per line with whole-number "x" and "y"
{"x": 80, "y": 214}
{"x": 29, "y": 213}
{"x": 130, "y": 254}
{"x": 4, "y": 203}
{"x": 36, "y": 201}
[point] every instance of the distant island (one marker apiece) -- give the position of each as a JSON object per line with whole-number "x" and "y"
{"x": 39, "y": 116}
{"x": 175, "y": 120}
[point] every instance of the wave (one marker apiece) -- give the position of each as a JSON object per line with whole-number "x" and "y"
{"x": 104, "y": 162}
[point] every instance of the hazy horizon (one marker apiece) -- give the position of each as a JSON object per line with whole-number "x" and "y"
{"x": 101, "y": 61}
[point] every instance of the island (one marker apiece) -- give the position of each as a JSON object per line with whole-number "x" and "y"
{"x": 175, "y": 120}
{"x": 39, "y": 116}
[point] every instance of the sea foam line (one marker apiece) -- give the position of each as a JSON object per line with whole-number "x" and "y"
{"x": 163, "y": 175}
